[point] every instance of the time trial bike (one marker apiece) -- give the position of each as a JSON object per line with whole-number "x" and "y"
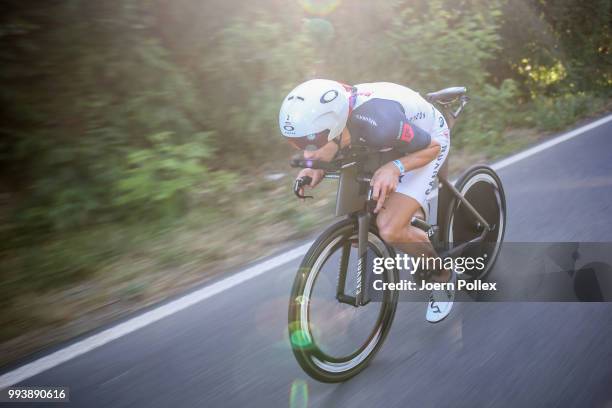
{"x": 335, "y": 326}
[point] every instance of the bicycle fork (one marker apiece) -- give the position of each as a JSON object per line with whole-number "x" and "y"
{"x": 362, "y": 277}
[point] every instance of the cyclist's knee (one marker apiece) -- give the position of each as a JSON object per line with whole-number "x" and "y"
{"x": 387, "y": 229}
{"x": 394, "y": 233}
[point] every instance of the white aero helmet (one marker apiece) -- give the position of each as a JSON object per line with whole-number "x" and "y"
{"x": 314, "y": 113}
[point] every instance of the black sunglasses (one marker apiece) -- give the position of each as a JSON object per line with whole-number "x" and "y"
{"x": 310, "y": 142}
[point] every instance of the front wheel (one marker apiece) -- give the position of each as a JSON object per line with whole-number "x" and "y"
{"x": 483, "y": 189}
{"x": 334, "y": 340}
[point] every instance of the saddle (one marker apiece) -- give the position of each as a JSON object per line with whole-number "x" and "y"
{"x": 446, "y": 95}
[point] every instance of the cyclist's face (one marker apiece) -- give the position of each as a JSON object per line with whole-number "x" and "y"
{"x": 325, "y": 153}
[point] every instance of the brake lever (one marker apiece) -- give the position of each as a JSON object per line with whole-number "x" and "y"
{"x": 299, "y": 183}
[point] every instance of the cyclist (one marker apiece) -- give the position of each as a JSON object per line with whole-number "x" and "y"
{"x": 321, "y": 117}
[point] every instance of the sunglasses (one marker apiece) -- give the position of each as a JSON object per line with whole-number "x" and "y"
{"x": 313, "y": 141}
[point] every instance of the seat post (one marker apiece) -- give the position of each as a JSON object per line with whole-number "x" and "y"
{"x": 448, "y": 116}
{"x": 444, "y": 197}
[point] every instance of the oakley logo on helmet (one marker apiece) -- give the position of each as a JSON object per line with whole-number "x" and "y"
{"x": 329, "y": 96}
{"x": 288, "y": 126}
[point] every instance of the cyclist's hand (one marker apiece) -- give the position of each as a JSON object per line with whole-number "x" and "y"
{"x": 315, "y": 174}
{"x": 384, "y": 182}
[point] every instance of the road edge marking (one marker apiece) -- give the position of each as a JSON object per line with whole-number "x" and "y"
{"x": 550, "y": 143}
{"x": 94, "y": 341}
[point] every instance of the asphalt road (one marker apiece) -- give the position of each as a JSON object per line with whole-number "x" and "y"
{"x": 231, "y": 350}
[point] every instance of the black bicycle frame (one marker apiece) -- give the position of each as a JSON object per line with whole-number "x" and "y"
{"x": 364, "y": 218}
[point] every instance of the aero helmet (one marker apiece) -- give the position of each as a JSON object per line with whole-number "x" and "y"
{"x": 314, "y": 113}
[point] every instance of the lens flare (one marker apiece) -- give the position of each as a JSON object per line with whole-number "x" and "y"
{"x": 298, "y": 397}
{"x": 319, "y": 7}
{"x": 299, "y": 338}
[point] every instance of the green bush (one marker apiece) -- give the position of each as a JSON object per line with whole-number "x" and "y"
{"x": 109, "y": 125}
{"x": 553, "y": 113}
{"x": 490, "y": 110}
{"x": 431, "y": 44}
{"x": 161, "y": 177}
{"x": 436, "y": 45}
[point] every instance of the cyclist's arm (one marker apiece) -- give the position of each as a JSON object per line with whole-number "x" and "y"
{"x": 420, "y": 158}
{"x": 386, "y": 178}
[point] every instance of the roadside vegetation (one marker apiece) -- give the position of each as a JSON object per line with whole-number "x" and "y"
{"x": 139, "y": 140}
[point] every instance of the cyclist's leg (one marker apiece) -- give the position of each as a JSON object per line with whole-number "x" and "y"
{"x": 410, "y": 199}
{"x": 393, "y": 223}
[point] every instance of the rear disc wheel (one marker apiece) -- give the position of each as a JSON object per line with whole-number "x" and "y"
{"x": 483, "y": 189}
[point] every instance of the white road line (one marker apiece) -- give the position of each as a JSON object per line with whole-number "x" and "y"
{"x": 97, "y": 340}
{"x": 550, "y": 143}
